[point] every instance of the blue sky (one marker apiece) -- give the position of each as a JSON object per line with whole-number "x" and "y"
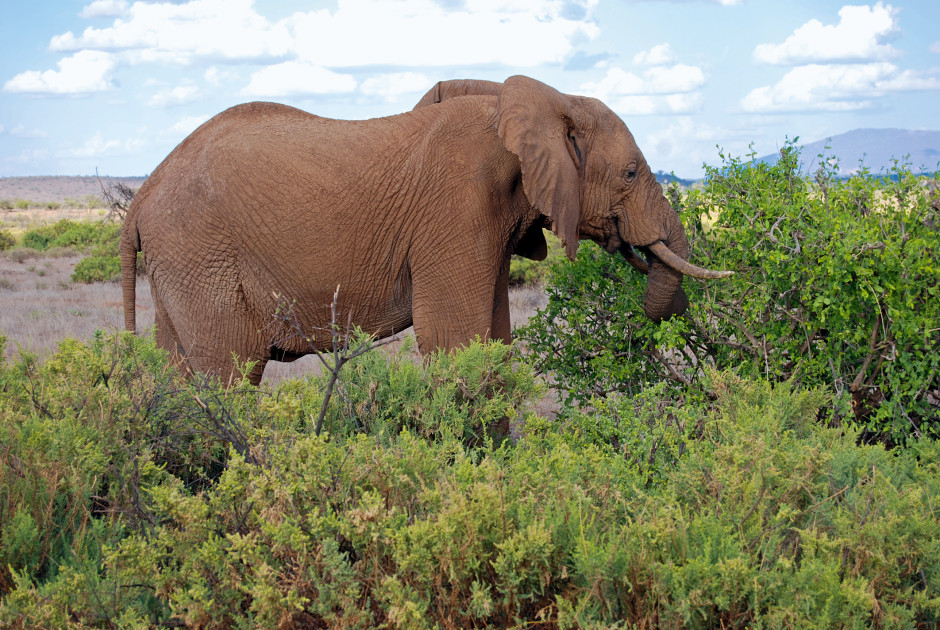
{"x": 114, "y": 85}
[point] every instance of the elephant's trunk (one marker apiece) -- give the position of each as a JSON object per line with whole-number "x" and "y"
{"x": 664, "y": 296}
{"x": 659, "y": 234}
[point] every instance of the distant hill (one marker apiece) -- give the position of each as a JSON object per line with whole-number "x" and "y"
{"x": 665, "y": 178}
{"x": 45, "y": 188}
{"x": 877, "y": 148}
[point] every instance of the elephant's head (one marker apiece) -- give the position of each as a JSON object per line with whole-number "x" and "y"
{"x": 582, "y": 169}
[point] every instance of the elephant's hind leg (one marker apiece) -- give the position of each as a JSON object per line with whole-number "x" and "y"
{"x": 447, "y": 317}
{"x": 229, "y": 343}
{"x": 217, "y": 343}
{"x": 166, "y": 337}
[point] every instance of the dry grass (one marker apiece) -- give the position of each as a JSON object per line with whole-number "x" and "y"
{"x": 41, "y": 306}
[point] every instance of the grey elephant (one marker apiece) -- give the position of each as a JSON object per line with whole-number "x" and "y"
{"x": 414, "y": 217}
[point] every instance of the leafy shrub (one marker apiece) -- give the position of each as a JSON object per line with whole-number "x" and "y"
{"x": 81, "y": 436}
{"x": 102, "y": 265}
{"x": 7, "y": 240}
{"x": 68, "y": 233}
{"x": 765, "y": 518}
{"x": 836, "y": 287}
{"x": 6, "y": 204}
{"x": 99, "y": 267}
{"x": 471, "y": 396}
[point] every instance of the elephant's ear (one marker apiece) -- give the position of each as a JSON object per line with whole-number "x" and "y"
{"x": 535, "y": 123}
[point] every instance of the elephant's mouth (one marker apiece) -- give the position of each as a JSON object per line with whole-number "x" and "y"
{"x": 642, "y": 263}
{"x": 636, "y": 260}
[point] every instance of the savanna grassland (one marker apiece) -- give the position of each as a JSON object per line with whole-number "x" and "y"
{"x": 769, "y": 460}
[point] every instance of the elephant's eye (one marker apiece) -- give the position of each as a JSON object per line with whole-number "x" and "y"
{"x": 629, "y": 175}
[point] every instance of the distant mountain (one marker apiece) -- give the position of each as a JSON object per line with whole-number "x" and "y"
{"x": 665, "y": 178}
{"x": 876, "y": 148}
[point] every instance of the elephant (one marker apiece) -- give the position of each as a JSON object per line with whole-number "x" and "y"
{"x": 407, "y": 220}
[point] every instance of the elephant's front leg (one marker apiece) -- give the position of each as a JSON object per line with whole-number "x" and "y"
{"x": 501, "y": 327}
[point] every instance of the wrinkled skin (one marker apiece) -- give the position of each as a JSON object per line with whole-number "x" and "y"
{"x": 413, "y": 216}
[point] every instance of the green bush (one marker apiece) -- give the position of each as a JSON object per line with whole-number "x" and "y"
{"x": 131, "y": 499}
{"x": 99, "y": 267}
{"x": 836, "y": 286}
{"x": 472, "y": 396}
{"x": 68, "y": 233}
{"x": 754, "y": 515}
{"x": 81, "y": 436}
{"x": 6, "y": 240}
{"x": 102, "y": 265}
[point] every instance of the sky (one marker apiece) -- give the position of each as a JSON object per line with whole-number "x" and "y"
{"x": 111, "y": 86}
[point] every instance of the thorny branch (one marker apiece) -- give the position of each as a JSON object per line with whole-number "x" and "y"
{"x": 342, "y": 352}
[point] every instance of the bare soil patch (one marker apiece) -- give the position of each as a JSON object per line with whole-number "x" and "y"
{"x": 41, "y": 305}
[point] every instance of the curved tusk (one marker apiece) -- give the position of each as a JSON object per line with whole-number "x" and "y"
{"x": 673, "y": 260}
{"x": 632, "y": 257}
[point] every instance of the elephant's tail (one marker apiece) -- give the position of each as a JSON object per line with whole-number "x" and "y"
{"x": 130, "y": 245}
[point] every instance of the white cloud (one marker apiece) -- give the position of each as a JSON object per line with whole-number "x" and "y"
{"x": 296, "y": 78}
{"x": 837, "y": 87}
{"x": 521, "y": 33}
{"x": 414, "y": 33}
{"x": 104, "y": 8}
{"x": 185, "y": 126}
{"x": 97, "y": 146}
{"x": 226, "y": 29}
{"x": 214, "y": 76}
{"x": 656, "y": 56}
{"x": 681, "y": 135}
{"x": 391, "y": 86}
{"x": 860, "y": 35}
{"x": 20, "y": 131}
{"x": 679, "y": 78}
{"x": 726, "y": 3}
{"x": 645, "y": 105}
{"x": 659, "y": 90}
{"x": 179, "y": 95}
{"x": 85, "y": 72}
{"x": 935, "y": 47}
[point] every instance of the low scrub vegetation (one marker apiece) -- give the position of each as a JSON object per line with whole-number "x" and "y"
{"x": 99, "y": 239}
{"x": 134, "y": 500}
{"x": 837, "y": 286}
{"x": 7, "y": 240}
{"x": 87, "y": 201}
{"x": 68, "y": 233}
{"x": 770, "y": 460}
